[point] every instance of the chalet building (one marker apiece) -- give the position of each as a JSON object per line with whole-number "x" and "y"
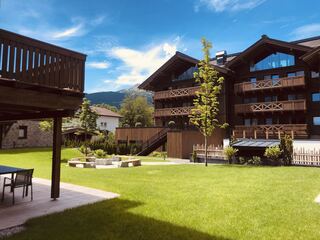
{"x": 107, "y": 120}
{"x": 24, "y": 134}
{"x": 272, "y": 88}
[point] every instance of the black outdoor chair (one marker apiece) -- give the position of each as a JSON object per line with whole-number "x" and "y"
{"x": 23, "y": 179}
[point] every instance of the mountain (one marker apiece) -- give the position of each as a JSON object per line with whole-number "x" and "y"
{"x": 115, "y": 98}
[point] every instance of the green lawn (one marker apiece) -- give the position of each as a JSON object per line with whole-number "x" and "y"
{"x": 181, "y": 202}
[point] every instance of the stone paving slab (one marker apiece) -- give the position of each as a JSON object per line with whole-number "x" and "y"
{"x": 71, "y": 196}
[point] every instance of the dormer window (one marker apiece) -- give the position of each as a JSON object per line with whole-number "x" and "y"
{"x": 276, "y": 60}
{"x": 187, "y": 75}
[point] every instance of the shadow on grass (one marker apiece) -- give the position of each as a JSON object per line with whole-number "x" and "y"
{"x": 109, "y": 219}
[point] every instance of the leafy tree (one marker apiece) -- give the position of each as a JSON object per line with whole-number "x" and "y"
{"x": 286, "y": 147}
{"x": 46, "y": 125}
{"x": 204, "y": 115}
{"x": 136, "y": 109}
{"x": 88, "y": 119}
{"x": 273, "y": 154}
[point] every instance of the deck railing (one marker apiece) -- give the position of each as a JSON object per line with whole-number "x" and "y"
{"x": 270, "y": 131}
{"x": 178, "y": 111}
{"x": 270, "y": 84}
{"x": 292, "y": 105}
{"x": 175, "y": 93}
{"x": 31, "y": 61}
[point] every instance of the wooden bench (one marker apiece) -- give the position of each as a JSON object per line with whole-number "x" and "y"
{"x": 75, "y": 163}
{"x": 134, "y": 162}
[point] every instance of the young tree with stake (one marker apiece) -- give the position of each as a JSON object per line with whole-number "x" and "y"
{"x": 204, "y": 115}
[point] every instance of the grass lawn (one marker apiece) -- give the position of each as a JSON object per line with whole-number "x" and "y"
{"x": 181, "y": 202}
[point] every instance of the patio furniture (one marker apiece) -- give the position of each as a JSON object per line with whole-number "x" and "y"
{"x": 22, "y": 179}
{"x": 135, "y": 163}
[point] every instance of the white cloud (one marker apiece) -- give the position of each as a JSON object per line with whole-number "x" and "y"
{"x": 69, "y": 32}
{"x": 137, "y": 65}
{"x": 305, "y": 31}
{"x": 228, "y": 5}
{"x": 98, "y": 65}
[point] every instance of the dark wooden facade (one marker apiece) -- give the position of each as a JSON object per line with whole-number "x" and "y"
{"x": 39, "y": 80}
{"x": 278, "y": 101}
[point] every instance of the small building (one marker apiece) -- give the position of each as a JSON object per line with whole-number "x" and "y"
{"x": 107, "y": 119}
{"x": 24, "y": 134}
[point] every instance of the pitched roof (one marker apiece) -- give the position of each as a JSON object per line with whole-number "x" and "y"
{"x": 264, "y": 41}
{"x": 309, "y": 42}
{"x": 105, "y": 112}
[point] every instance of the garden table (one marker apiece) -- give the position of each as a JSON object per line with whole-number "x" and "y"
{"x": 9, "y": 170}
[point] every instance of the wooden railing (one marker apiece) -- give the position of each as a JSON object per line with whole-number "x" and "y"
{"x": 178, "y": 111}
{"x": 270, "y": 84}
{"x": 293, "y": 105}
{"x": 31, "y": 61}
{"x": 175, "y": 93}
{"x": 270, "y": 131}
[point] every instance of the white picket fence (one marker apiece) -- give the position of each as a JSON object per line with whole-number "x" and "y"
{"x": 213, "y": 151}
{"x": 307, "y": 157}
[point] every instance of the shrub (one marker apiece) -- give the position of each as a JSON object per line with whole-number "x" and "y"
{"x": 99, "y": 153}
{"x": 255, "y": 161}
{"x": 242, "y": 160}
{"x": 286, "y": 148}
{"x": 138, "y": 124}
{"x": 273, "y": 155}
{"x": 72, "y": 143}
{"x": 84, "y": 150}
{"x": 230, "y": 153}
{"x": 155, "y": 154}
{"x": 164, "y": 155}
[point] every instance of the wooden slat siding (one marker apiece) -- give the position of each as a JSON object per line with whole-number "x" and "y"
{"x": 11, "y": 61}
{"x": 18, "y": 62}
{"x": 301, "y": 156}
{"x": 40, "y": 70}
{"x": 4, "y": 59}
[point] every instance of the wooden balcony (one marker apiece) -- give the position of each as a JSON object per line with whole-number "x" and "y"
{"x": 293, "y": 105}
{"x": 34, "y": 62}
{"x": 37, "y": 79}
{"x": 169, "y": 112}
{"x": 271, "y": 131}
{"x": 176, "y": 93}
{"x": 287, "y": 82}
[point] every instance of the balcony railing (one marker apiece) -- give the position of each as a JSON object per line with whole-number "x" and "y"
{"x": 175, "y": 93}
{"x": 34, "y": 62}
{"x": 293, "y": 105}
{"x": 271, "y": 131}
{"x": 270, "y": 84}
{"x": 167, "y": 112}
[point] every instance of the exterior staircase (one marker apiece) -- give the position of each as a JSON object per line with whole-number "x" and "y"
{"x": 154, "y": 142}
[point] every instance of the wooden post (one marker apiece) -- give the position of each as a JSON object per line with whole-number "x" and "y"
{"x": 292, "y": 134}
{"x": 255, "y": 134}
{"x": 267, "y": 134}
{"x": 56, "y": 158}
{"x": 244, "y": 133}
{"x": 279, "y": 134}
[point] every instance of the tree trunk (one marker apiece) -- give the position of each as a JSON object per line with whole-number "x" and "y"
{"x": 205, "y": 151}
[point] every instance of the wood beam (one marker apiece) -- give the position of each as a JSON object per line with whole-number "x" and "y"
{"x": 56, "y": 157}
{"x": 37, "y": 115}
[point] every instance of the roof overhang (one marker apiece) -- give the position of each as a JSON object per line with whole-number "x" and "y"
{"x": 256, "y": 143}
{"x": 266, "y": 46}
{"x": 312, "y": 58}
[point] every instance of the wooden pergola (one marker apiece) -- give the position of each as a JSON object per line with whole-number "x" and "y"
{"x": 39, "y": 80}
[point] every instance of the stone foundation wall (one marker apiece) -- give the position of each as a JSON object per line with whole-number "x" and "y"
{"x": 35, "y": 136}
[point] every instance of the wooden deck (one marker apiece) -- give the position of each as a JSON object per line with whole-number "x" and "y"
{"x": 71, "y": 196}
{"x": 176, "y": 93}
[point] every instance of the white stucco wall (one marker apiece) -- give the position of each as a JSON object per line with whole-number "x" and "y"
{"x": 108, "y": 123}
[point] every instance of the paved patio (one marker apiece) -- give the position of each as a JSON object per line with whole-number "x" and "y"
{"x": 71, "y": 196}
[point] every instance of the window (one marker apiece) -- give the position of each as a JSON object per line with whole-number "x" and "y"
{"x": 268, "y": 121}
{"x": 300, "y": 73}
{"x": 276, "y": 60}
{"x": 316, "y": 121}
{"x": 314, "y": 74}
{"x": 254, "y": 121}
{"x": 247, "y": 122}
{"x": 187, "y": 75}
{"x": 267, "y": 77}
{"x": 275, "y": 76}
{"x": 295, "y": 74}
{"x": 292, "y": 97}
{"x": 22, "y": 134}
{"x": 270, "y": 98}
{"x": 315, "y": 97}
{"x": 253, "y": 80}
{"x": 291, "y": 74}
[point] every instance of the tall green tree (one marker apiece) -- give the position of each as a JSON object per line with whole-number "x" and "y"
{"x": 135, "y": 109}
{"x": 88, "y": 119}
{"x": 204, "y": 114}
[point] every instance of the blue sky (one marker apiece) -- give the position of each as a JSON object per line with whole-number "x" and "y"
{"x": 128, "y": 40}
